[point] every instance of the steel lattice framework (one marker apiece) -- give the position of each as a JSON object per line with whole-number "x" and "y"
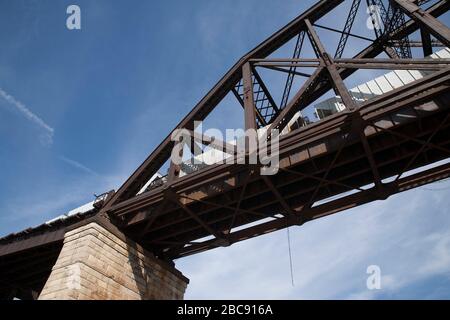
{"x": 370, "y": 144}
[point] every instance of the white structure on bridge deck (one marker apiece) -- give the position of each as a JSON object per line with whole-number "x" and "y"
{"x": 376, "y": 87}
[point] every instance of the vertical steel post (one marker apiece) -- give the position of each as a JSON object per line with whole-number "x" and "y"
{"x": 249, "y": 102}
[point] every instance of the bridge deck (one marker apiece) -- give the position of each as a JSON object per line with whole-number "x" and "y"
{"x": 406, "y": 129}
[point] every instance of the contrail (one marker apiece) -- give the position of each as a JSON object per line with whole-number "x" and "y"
{"x": 78, "y": 165}
{"x": 26, "y": 112}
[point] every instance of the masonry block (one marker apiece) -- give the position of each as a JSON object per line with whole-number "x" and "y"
{"x": 96, "y": 264}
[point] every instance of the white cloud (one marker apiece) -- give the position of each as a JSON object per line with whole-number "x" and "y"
{"x": 406, "y": 236}
{"x": 45, "y": 139}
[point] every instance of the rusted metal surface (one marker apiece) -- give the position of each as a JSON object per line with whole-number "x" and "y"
{"x": 24, "y": 273}
{"x": 216, "y": 194}
{"x": 162, "y": 153}
{"x": 348, "y": 155}
{"x": 227, "y": 83}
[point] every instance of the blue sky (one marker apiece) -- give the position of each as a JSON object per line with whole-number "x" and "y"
{"x": 80, "y": 110}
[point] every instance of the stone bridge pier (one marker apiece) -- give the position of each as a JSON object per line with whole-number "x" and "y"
{"x": 95, "y": 263}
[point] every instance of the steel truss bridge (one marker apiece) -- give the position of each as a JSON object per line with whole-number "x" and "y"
{"x": 359, "y": 155}
{"x": 371, "y": 150}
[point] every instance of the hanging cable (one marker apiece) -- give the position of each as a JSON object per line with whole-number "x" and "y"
{"x": 290, "y": 256}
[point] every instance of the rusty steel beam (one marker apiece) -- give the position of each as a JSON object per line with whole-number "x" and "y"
{"x": 328, "y": 208}
{"x": 284, "y": 204}
{"x": 238, "y": 204}
{"x": 439, "y": 30}
{"x": 425, "y": 145}
{"x": 218, "y": 206}
{"x": 274, "y": 201}
{"x": 333, "y": 73}
{"x": 347, "y": 28}
{"x": 213, "y": 142}
{"x": 320, "y": 179}
{"x": 215, "y": 200}
{"x": 241, "y": 102}
{"x": 426, "y": 42}
{"x": 292, "y": 70}
{"x": 249, "y": 100}
{"x": 162, "y": 153}
{"x": 265, "y": 90}
{"x": 281, "y": 120}
{"x": 377, "y": 47}
{"x": 172, "y": 196}
{"x": 395, "y": 99}
{"x": 367, "y": 63}
{"x": 296, "y": 73}
{"x": 380, "y": 194}
{"x": 152, "y": 215}
{"x": 421, "y": 44}
{"x": 404, "y": 136}
{"x": 346, "y": 138}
